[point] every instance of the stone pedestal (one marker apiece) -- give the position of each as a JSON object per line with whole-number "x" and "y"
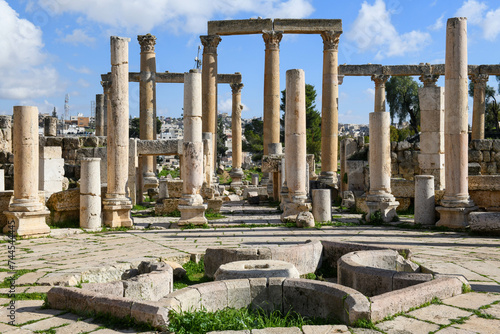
{"x": 329, "y": 109}
{"x": 191, "y": 204}
{"x": 50, "y": 126}
{"x": 424, "y": 200}
{"x": 99, "y": 115}
{"x": 116, "y": 205}
{"x": 456, "y": 203}
{"x": 295, "y": 148}
{"x": 379, "y": 197}
{"x": 322, "y": 205}
{"x": 26, "y": 214}
{"x": 90, "y": 194}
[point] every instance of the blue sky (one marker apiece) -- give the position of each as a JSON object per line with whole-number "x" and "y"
{"x": 49, "y": 48}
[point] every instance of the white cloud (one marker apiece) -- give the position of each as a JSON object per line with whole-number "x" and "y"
{"x": 373, "y": 31}
{"x": 176, "y": 15}
{"x": 22, "y": 69}
{"x": 82, "y": 70}
{"x": 438, "y": 24}
{"x": 78, "y": 36}
{"x": 370, "y": 92}
{"x": 83, "y": 83}
{"x": 472, "y": 10}
{"x": 491, "y": 24}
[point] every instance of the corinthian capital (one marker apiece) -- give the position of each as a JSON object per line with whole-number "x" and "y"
{"x": 331, "y": 40}
{"x": 429, "y": 80}
{"x": 210, "y": 43}
{"x": 147, "y": 42}
{"x": 479, "y": 80}
{"x": 380, "y": 80}
{"x": 272, "y": 39}
{"x": 236, "y": 87}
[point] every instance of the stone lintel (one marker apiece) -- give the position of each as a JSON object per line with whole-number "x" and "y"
{"x": 239, "y": 27}
{"x": 229, "y": 78}
{"x": 167, "y": 77}
{"x": 307, "y": 26}
{"x": 158, "y": 147}
{"x": 411, "y": 70}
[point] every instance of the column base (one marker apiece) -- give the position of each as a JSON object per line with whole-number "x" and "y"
{"x": 328, "y": 178}
{"x": 27, "y": 223}
{"x": 116, "y": 212}
{"x": 149, "y": 182}
{"x": 293, "y": 207}
{"x": 237, "y": 177}
{"x": 454, "y": 217}
{"x": 386, "y": 204}
{"x": 192, "y": 214}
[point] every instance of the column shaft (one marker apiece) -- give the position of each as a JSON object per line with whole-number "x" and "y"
{"x": 479, "y": 106}
{"x": 99, "y": 115}
{"x": 236, "y": 124}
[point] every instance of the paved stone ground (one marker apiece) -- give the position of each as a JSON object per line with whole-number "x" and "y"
{"x": 70, "y": 256}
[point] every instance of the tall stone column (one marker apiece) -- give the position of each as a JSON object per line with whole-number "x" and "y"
{"x": 99, "y": 115}
{"x": 456, "y": 203}
{"x": 191, "y": 204}
{"x": 295, "y": 148}
{"x": 431, "y": 156}
{"x": 25, "y": 211}
{"x": 271, "y": 91}
{"x": 207, "y": 149}
{"x": 209, "y": 89}
{"x": 379, "y": 196}
{"x": 236, "y": 172}
{"x": 116, "y": 205}
{"x": 106, "y": 86}
{"x": 147, "y": 108}
{"x": 479, "y": 106}
{"x": 329, "y": 108}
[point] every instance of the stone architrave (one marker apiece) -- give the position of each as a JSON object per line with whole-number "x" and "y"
{"x": 147, "y": 109}
{"x": 379, "y": 196}
{"x": 295, "y": 148}
{"x": 431, "y": 155}
{"x": 209, "y": 89}
{"x": 271, "y": 92}
{"x": 456, "y": 203}
{"x": 50, "y": 126}
{"x": 191, "y": 204}
{"x": 478, "y": 110}
{"x": 208, "y": 161}
{"x": 236, "y": 172}
{"x": 116, "y": 205}
{"x": 90, "y": 194}
{"x": 26, "y": 215}
{"x": 99, "y": 115}
{"x": 329, "y": 108}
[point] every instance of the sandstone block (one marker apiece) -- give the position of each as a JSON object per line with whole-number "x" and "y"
{"x": 482, "y": 144}
{"x": 238, "y": 293}
{"x": 213, "y": 295}
{"x": 485, "y": 222}
{"x": 189, "y": 298}
{"x": 150, "y": 313}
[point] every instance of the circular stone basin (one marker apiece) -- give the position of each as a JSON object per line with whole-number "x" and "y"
{"x": 256, "y": 268}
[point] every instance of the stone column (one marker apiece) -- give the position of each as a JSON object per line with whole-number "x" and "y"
{"x": 329, "y": 109}
{"x": 25, "y": 210}
{"x": 271, "y": 92}
{"x": 295, "y": 148}
{"x": 106, "y": 85}
{"x": 208, "y": 153}
{"x": 6, "y": 133}
{"x": 379, "y": 196}
{"x": 322, "y": 205}
{"x": 424, "y": 200}
{"x": 90, "y": 194}
{"x": 456, "y": 203}
{"x": 116, "y": 205}
{"x": 209, "y": 89}
{"x": 191, "y": 204}
{"x": 147, "y": 107}
{"x": 236, "y": 172}
{"x": 431, "y": 156}
{"x": 479, "y": 107}
{"x": 99, "y": 115}
{"x": 274, "y": 187}
{"x": 50, "y": 126}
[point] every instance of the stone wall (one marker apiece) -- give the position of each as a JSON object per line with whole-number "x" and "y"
{"x": 486, "y": 154}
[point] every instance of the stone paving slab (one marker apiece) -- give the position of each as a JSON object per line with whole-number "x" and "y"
{"x": 439, "y": 314}
{"x": 64, "y": 319}
{"x": 404, "y": 325}
{"x": 454, "y": 330}
{"x": 480, "y": 325}
{"x": 81, "y": 326}
{"x": 472, "y": 300}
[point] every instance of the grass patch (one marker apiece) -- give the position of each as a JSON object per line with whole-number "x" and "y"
{"x": 363, "y": 323}
{"x": 211, "y": 215}
{"x": 333, "y": 223}
{"x": 195, "y": 274}
{"x": 26, "y": 295}
{"x": 70, "y": 223}
{"x": 175, "y": 213}
{"x": 173, "y": 172}
{"x": 192, "y": 226}
{"x": 236, "y": 319}
{"x": 17, "y": 273}
{"x": 139, "y": 207}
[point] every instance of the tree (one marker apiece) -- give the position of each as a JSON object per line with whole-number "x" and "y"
{"x": 402, "y": 97}
{"x": 313, "y": 121}
{"x": 134, "y": 127}
{"x": 221, "y": 140}
{"x": 254, "y": 139}
{"x": 492, "y": 108}
{"x": 54, "y": 112}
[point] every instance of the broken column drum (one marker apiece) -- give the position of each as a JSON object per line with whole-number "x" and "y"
{"x": 99, "y": 115}
{"x": 236, "y": 172}
{"x": 191, "y": 204}
{"x": 50, "y": 126}
{"x": 25, "y": 211}
{"x": 116, "y": 205}
{"x": 424, "y": 200}
{"x": 456, "y": 203}
{"x": 90, "y": 194}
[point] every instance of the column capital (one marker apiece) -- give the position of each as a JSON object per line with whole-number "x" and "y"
{"x": 331, "y": 40}
{"x": 210, "y": 43}
{"x": 236, "y": 87}
{"x": 479, "y": 79}
{"x": 380, "y": 79}
{"x": 272, "y": 39}
{"x": 429, "y": 80}
{"x": 106, "y": 85}
{"x": 147, "y": 42}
